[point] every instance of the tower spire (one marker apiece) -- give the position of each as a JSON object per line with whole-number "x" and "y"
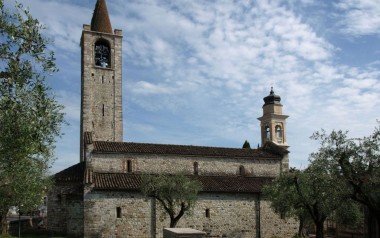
{"x": 100, "y": 21}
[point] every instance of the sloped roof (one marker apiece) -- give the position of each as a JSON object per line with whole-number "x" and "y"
{"x": 189, "y": 150}
{"x": 100, "y": 21}
{"x": 73, "y": 174}
{"x": 229, "y": 184}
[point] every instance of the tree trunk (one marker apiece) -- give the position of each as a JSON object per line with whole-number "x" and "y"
{"x": 300, "y": 228}
{"x": 4, "y": 224}
{"x": 173, "y": 222}
{"x": 377, "y": 229}
{"x": 373, "y": 225}
{"x": 319, "y": 232}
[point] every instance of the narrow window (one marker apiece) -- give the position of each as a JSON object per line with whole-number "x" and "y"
{"x": 118, "y": 212}
{"x": 278, "y": 134}
{"x": 129, "y": 166}
{"x": 103, "y": 110}
{"x": 196, "y": 168}
{"x": 267, "y": 132}
{"x": 241, "y": 170}
{"x": 207, "y": 212}
{"x": 102, "y": 78}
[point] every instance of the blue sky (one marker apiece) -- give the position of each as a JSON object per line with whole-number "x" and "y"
{"x": 195, "y": 72}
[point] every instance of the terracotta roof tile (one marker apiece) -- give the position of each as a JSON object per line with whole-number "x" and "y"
{"x": 230, "y": 184}
{"x": 73, "y": 174}
{"x": 87, "y": 137}
{"x": 100, "y": 21}
{"x": 116, "y": 181}
{"x": 189, "y": 150}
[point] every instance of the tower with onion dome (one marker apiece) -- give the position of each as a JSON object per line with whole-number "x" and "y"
{"x": 273, "y": 122}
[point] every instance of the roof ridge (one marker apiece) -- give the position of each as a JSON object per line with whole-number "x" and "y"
{"x": 179, "y": 145}
{"x": 190, "y": 150}
{"x": 191, "y": 175}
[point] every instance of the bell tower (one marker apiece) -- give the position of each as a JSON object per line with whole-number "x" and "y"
{"x": 101, "y": 79}
{"x": 273, "y": 122}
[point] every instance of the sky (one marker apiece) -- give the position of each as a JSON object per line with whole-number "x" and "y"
{"x": 195, "y": 72}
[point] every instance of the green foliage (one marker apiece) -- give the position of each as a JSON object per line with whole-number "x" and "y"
{"x": 246, "y": 145}
{"x": 357, "y": 162}
{"x": 312, "y": 194}
{"x": 30, "y": 117}
{"x": 177, "y": 194}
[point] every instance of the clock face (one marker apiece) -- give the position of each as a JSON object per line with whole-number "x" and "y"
{"x": 102, "y": 53}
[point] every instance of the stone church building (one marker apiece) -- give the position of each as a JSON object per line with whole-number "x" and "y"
{"x": 100, "y": 196}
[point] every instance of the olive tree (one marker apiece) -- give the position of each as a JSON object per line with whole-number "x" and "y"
{"x": 177, "y": 194}
{"x": 312, "y": 194}
{"x": 357, "y": 161}
{"x": 30, "y": 117}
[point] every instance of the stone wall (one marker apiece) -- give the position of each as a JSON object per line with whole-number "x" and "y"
{"x": 273, "y": 225}
{"x": 176, "y": 164}
{"x": 101, "y": 92}
{"x": 65, "y": 212}
{"x": 229, "y": 215}
{"x": 101, "y": 215}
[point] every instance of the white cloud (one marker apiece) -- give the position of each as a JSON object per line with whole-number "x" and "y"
{"x": 195, "y": 72}
{"x": 360, "y": 17}
{"x": 61, "y": 20}
{"x": 71, "y": 101}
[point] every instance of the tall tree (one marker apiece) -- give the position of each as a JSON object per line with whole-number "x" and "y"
{"x": 358, "y": 161}
{"x": 285, "y": 200}
{"x": 313, "y": 194}
{"x": 177, "y": 194}
{"x": 30, "y": 117}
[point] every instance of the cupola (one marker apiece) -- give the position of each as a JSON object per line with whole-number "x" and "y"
{"x": 272, "y": 98}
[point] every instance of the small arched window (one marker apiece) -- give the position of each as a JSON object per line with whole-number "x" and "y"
{"x": 267, "y": 133}
{"x": 102, "y": 54}
{"x": 196, "y": 169}
{"x": 278, "y": 134}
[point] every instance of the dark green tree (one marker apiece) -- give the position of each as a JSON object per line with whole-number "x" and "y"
{"x": 357, "y": 160}
{"x": 246, "y": 145}
{"x": 313, "y": 194}
{"x": 177, "y": 194}
{"x": 30, "y": 117}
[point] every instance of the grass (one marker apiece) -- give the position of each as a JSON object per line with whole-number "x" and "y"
{"x": 31, "y": 236}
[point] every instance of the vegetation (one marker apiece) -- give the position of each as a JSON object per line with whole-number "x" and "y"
{"x": 30, "y": 117}
{"x": 312, "y": 195}
{"x": 31, "y": 236}
{"x": 246, "y": 145}
{"x": 177, "y": 194}
{"x": 343, "y": 175}
{"x": 356, "y": 161}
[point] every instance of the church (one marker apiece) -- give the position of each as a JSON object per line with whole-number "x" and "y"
{"x": 100, "y": 196}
